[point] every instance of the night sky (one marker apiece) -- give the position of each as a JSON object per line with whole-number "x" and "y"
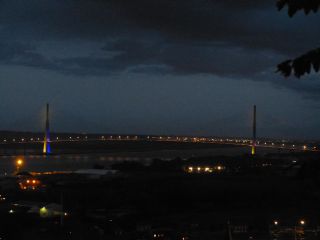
{"x": 187, "y": 67}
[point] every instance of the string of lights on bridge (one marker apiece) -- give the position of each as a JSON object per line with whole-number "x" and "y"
{"x": 284, "y": 144}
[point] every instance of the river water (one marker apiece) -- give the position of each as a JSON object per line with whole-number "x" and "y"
{"x": 71, "y": 162}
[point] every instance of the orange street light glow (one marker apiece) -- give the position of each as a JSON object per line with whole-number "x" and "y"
{"x": 19, "y": 162}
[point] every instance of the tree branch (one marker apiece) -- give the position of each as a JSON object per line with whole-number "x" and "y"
{"x": 301, "y": 65}
{"x": 298, "y": 5}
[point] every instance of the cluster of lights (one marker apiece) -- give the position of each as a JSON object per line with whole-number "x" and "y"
{"x": 241, "y": 141}
{"x": 50, "y": 173}
{"x": 228, "y": 140}
{"x": 2, "y": 198}
{"x": 158, "y": 235}
{"x": 29, "y": 184}
{"x": 200, "y": 169}
{"x": 201, "y": 139}
{"x": 266, "y": 164}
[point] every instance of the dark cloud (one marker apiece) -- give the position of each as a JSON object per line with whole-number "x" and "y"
{"x": 240, "y": 39}
{"x": 138, "y": 55}
{"x": 250, "y": 24}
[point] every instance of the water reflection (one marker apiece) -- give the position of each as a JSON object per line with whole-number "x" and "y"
{"x": 64, "y": 162}
{"x": 71, "y": 162}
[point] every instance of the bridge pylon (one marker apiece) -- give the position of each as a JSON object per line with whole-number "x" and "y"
{"x": 46, "y": 142}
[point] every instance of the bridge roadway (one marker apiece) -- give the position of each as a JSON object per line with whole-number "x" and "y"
{"x": 234, "y": 142}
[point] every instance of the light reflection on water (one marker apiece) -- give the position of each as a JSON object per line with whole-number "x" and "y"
{"x": 64, "y": 162}
{"x": 70, "y": 162}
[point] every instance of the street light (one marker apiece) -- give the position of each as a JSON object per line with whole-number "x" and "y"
{"x": 19, "y": 164}
{"x": 302, "y": 224}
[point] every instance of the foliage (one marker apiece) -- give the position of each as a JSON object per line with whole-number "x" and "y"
{"x": 298, "y": 5}
{"x": 310, "y": 60}
{"x": 301, "y": 65}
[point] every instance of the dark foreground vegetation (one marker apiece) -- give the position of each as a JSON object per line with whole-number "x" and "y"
{"x": 275, "y": 196}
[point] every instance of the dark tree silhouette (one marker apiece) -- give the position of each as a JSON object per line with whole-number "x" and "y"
{"x": 310, "y": 60}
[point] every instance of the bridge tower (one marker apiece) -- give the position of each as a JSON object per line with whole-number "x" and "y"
{"x": 46, "y": 143}
{"x": 254, "y": 137}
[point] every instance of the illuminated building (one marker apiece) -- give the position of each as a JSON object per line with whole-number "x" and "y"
{"x": 253, "y": 148}
{"x": 46, "y": 143}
